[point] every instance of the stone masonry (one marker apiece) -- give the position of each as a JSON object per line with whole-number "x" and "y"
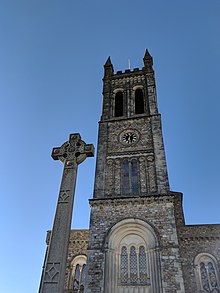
{"x": 137, "y": 241}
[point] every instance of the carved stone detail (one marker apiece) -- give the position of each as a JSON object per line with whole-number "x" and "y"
{"x": 144, "y": 135}
{"x": 150, "y": 158}
{"x": 150, "y": 79}
{"x": 52, "y": 272}
{"x": 64, "y": 196}
{"x": 74, "y": 150}
{"x": 71, "y": 153}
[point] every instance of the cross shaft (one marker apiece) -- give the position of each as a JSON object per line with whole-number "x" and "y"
{"x": 71, "y": 153}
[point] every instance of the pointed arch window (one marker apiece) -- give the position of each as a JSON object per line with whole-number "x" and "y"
{"x": 130, "y": 176}
{"x": 119, "y": 104}
{"x": 139, "y": 102}
{"x": 207, "y": 274}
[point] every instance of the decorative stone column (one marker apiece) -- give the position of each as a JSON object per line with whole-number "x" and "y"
{"x": 71, "y": 153}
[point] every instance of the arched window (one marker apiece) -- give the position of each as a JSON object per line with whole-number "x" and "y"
{"x": 83, "y": 279}
{"x": 139, "y": 102}
{"x": 119, "y": 105}
{"x": 129, "y": 176}
{"x": 136, "y": 271}
{"x": 206, "y": 273}
{"x": 125, "y": 177}
{"x": 78, "y": 274}
{"x": 132, "y": 254}
{"x": 124, "y": 265}
{"x": 133, "y": 266}
{"x": 134, "y": 177}
{"x": 76, "y": 278}
{"x": 142, "y": 264}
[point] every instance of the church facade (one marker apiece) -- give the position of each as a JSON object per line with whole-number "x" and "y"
{"x": 137, "y": 241}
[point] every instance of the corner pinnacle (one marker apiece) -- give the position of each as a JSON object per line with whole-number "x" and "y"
{"x": 148, "y": 60}
{"x": 108, "y": 67}
{"x": 108, "y": 62}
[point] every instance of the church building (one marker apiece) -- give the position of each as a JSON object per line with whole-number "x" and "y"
{"x": 137, "y": 241}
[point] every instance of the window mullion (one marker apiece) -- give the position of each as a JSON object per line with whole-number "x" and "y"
{"x": 80, "y": 278}
{"x": 138, "y": 264}
{"x": 208, "y": 277}
{"x": 129, "y": 269}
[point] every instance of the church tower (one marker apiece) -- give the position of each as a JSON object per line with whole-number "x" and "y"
{"x": 137, "y": 241}
{"x": 133, "y": 242}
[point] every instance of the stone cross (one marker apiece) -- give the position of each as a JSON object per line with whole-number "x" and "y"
{"x": 71, "y": 153}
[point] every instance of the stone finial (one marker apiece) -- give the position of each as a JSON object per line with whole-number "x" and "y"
{"x": 148, "y": 60}
{"x": 108, "y": 68}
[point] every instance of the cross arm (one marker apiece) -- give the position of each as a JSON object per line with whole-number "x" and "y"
{"x": 55, "y": 153}
{"x": 89, "y": 150}
{"x": 73, "y": 150}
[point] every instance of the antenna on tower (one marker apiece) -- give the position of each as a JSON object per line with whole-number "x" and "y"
{"x": 129, "y": 64}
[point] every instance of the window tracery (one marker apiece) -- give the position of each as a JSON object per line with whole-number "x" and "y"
{"x": 142, "y": 264}
{"x": 132, "y": 258}
{"x": 206, "y": 272}
{"x": 78, "y": 274}
{"x": 133, "y": 265}
{"x": 83, "y": 279}
{"x": 136, "y": 272}
{"x": 76, "y": 282}
{"x": 124, "y": 265}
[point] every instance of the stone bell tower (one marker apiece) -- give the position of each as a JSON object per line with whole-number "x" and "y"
{"x": 133, "y": 244}
{"x": 137, "y": 241}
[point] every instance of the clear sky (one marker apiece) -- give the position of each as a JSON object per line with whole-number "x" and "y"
{"x": 51, "y": 67}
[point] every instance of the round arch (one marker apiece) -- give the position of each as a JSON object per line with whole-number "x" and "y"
{"x": 206, "y": 271}
{"x": 134, "y": 235}
{"x": 132, "y": 226}
{"x": 203, "y": 256}
{"x": 77, "y": 271}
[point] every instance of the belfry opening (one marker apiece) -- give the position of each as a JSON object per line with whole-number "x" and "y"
{"x": 137, "y": 241}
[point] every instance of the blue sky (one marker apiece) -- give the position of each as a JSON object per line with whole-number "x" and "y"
{"x": 51, "y": 68}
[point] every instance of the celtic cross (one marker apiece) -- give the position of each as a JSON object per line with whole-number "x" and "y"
{"x": 71, "y": 153}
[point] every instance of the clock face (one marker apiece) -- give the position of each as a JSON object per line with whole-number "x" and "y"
{"x": 129, "y": 137}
